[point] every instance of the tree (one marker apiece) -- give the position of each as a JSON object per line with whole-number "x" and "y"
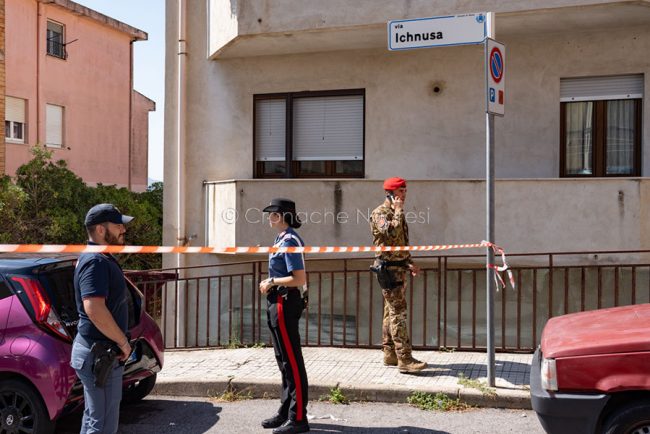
{"x": 47, "y": 204}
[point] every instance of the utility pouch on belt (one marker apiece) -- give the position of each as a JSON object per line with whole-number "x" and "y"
{"x": 386, "y": 277}
{"x": 105, "y": 354}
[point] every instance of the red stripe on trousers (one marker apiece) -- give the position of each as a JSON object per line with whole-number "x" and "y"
{"x": 292, "y": 358}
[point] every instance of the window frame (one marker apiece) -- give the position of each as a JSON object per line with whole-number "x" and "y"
{"x": 11, "y": 137}
{"x": 599, "y": 121}
{"x": 293, "y": 166}
{"x": 64, "y": 54}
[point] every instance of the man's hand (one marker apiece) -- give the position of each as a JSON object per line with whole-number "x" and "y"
{"x": 126, "y": 351}
{"x": 398, "y": 204}
{"x": 415, "y": 270}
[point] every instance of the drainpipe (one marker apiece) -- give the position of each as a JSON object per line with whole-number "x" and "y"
{"x": 181, "y": 326}
{"x": 180, "y": 131}
{"x": 38, "y": 72}
{"x": 130, "y": 179}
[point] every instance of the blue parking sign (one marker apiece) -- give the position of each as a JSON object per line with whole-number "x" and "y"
{"x": 492, "y": 95}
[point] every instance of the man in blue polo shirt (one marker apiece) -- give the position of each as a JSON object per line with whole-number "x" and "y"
{"x": 100, "y": 292}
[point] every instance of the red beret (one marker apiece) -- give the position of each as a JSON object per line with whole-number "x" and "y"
{"x": 394, "y": 183}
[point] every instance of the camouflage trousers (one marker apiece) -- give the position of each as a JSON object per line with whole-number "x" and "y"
{"x": 395, "y": 335}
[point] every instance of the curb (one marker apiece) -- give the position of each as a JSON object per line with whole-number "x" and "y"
{"x": 503, "y": 398}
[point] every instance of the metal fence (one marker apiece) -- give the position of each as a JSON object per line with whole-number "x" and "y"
{"x": 220, "y": 305}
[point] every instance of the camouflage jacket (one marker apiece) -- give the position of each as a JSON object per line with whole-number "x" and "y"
{"x": 389, "y": 228}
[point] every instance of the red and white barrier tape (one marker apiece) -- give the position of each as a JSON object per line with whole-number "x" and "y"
{"x": 83, "y": 248}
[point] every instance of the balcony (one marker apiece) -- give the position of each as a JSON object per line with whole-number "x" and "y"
{"x": 532, "y": 215}
{"x": 243, "y": 28}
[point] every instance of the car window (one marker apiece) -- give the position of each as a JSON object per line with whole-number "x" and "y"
{"x": 59, "y": 285}
{"x": 4, "y": 290}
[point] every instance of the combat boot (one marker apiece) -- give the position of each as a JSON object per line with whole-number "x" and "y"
{"x": 390, "y": 358}
{"x": 409, "y": 365}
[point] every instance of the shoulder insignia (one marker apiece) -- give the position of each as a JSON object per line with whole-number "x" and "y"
{"x": 382, "y": 223}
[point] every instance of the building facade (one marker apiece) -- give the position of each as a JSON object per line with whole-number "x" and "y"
{"x": 69, "y": 87}
{"x": 303, "y": 99}
{"x": 2, "y": 80}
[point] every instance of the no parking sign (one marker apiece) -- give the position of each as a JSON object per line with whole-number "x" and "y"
{"x": 495, "y": 68}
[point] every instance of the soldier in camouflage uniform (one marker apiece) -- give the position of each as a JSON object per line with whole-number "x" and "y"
{"x": 389, "y": 228}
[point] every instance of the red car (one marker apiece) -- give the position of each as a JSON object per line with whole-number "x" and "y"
{"x": 38, "y": 321}
{"x": 591, "y": 373}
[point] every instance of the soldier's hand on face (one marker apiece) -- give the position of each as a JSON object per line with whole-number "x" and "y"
{"x": 398, "y": 204}
{"x": 415, "y": 270}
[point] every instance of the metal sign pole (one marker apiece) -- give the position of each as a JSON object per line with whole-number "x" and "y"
{"x": 489, "y": 260}
{"x": 489, "y": 211}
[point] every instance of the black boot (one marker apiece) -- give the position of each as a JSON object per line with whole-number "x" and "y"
{"x": 274, "y": 422}
{"x": 291, "y": 427}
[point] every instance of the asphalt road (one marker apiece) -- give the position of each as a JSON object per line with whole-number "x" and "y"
{"x": 158, "y": 415}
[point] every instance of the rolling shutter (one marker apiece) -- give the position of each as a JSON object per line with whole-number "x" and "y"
{"x": 601, "y": 88}
{"x": 54, "y": 125}
{"x": 15, "y": 109}
{"x": 270, "y": 129}
{"x": 328, "y": 128}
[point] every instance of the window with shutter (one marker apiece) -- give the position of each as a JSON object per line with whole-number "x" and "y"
{"x": 270, "y": 136}
{"x": 600, "y": 131}
{"x": 310, "y": 134}
{"x": 15, "y": 119}
{"x": 54, "y": 125}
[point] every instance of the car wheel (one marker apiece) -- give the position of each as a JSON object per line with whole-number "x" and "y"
{"x": 22, "y": 409}
{"x": 137, "y": 391}
{"x": 631, "y": 419}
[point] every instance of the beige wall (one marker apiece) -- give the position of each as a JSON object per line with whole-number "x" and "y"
{"x": 270, "y": 16}
{"x": 539, "y": 215}
{"x": 92, "y": 84}
{"x": 412, "y": 132}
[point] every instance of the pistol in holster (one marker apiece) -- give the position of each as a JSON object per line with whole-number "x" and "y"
{"x": 283, "y": 291}
{"x": 385, "y": 276}
{"x": 104, "y": 354}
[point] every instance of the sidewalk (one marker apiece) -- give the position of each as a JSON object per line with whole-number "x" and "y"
{"x": 359, "y": 373}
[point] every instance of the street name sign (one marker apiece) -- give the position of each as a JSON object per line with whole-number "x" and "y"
{"x": 466, "y": 29}
{"x": 495, "y": 72}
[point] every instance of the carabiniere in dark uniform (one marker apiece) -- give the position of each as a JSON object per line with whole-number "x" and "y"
{"x": 286, "y": 299}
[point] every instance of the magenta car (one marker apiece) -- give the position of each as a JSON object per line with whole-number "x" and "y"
{"x": 38, "y": 321}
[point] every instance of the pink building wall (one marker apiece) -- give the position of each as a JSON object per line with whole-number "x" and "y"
{"x": 94, "y": 85}
{"x": 140, "y": 139}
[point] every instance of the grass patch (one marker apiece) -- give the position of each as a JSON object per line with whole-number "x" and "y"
{"x": 335, "y": 396}
{"x": 258, "y": 345}
{"x": 231, "y": 394}
{"x": 437, "y": 402}
{"x": 234, "y": 343}
{"x": 476, "y": 384}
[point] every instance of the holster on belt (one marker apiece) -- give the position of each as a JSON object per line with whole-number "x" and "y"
{"x": 104, "y": 354}
{"x": 385, "y": 276}
{"x": 284, "y": 290}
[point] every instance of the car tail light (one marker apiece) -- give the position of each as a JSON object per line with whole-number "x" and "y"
{"x": 44, "y": 314}
{"x": 549, "y": 375}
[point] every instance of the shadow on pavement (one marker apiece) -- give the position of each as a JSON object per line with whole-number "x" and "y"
{"x": 331, "y": 428}
{"x": 514, "y": 372}
{"x": 155, "y": 415}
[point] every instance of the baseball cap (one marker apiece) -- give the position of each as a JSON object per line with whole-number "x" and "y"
{"x": 105, "y": 212}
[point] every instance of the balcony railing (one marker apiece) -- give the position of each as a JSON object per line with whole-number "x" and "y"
{"x": 56, "y": 49}
{"x": 220, "y": 305}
